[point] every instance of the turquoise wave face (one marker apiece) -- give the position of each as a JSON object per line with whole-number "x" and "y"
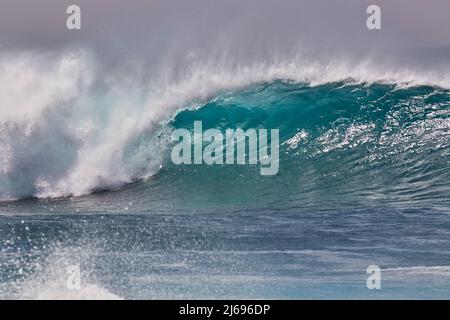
{"x": 342, "y": 144}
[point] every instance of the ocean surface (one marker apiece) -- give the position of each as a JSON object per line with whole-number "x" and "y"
{"x": 364, "y": 179}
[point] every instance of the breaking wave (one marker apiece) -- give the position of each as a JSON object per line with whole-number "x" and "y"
{"x": 69, "y": 129}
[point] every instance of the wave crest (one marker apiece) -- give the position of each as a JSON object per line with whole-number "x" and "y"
{"x": 69, "y": 128}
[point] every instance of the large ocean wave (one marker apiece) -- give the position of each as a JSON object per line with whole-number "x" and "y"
{"x": 358, "y": 128}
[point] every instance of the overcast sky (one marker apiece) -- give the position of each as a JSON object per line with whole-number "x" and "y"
{"x": 42, "y": 22}
{"x": 152, "y": 29}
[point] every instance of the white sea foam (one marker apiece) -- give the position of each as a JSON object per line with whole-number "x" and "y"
{"x": 50, "y": 279}
{"x": 88, "y": 292}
